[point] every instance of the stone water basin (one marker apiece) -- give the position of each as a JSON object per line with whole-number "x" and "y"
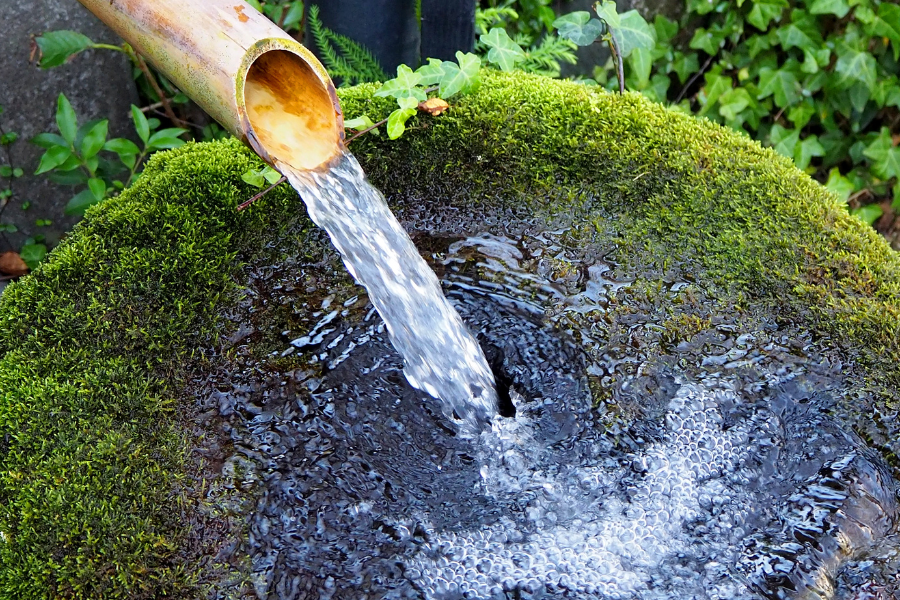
{"x": 717, "y": 467}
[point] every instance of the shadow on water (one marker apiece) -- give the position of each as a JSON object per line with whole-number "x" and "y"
{"x": 713, "y": 471}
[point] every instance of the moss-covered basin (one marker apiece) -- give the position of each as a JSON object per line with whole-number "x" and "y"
{"x": 101, "y": 492}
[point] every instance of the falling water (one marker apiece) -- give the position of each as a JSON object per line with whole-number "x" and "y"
{"x": 441, "y": 357}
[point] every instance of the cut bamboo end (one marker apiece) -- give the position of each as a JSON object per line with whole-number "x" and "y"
{"x": 292, "y": 112}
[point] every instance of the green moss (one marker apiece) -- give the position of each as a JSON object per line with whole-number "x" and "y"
{"x": 93, "y": 461}
{"x": 95, "y": 473}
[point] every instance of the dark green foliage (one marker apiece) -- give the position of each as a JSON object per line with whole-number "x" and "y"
{"x": 93, "y": 463}
{"x": 815, "y": 79}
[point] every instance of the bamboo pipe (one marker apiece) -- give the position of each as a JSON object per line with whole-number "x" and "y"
{"x": 249, "y": 75}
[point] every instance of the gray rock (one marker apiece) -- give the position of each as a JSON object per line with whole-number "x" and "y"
{"x": 97, "y": 82}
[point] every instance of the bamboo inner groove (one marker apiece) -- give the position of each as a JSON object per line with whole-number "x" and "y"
{"x": 290, "y": 111}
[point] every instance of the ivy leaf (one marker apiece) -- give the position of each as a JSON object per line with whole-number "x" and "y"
{"x": 58, "y": 46}
{"x": 716, "y": 85}
{"x": 606, "y": 10}
{"x": 800, "y": 114}
{"x": 253, "y": 177}
{"x": 840, "y": 8}
{"x": 396, "y": 124}
{"x": 579, "y": 27}
{"x": 460, "y": 77}
{"x": 839, "y": 184}
{"x": 853, "y": 65}
{"x": 66, "y": 119}
{"x": 503, "y": 50}
{"x": 665, "y": 28}
{"x": 633, "y": 32}
{"x": 708, "y": 41}
{"x": 640, "y": 63}
{"x": 403, "y": 85}
{"x": 359, "y": 123}
{"x": 784, "y": 140}
{"x": 885, "y": 155}
{"x": 799, "y": 33}
{"x": 94, "y": 139}
{"x": 868, "y": 213}
{"x": 685, "y": 65}
{"x": 807, "y": 149}
{"x": 782, "y": 84}
{"x": 764, "y": 11}
{"x": 884, "y": 24}
{"x": 431, "y": 73}
{"x": 407, "y": 102}
{"x": 732, "y": 102}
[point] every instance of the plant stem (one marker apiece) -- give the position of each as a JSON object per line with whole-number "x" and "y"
{"x": 244, "y": 205}
{"x": 167, "y": 106}
{"x": 366, "y": 130}
{"x": 620, "y": 66}
{"x": 693, "y": 78}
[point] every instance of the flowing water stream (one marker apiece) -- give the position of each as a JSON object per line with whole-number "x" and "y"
{"x": 441, "y": 357}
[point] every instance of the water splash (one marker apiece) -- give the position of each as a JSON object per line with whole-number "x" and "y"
{"x": 441, "y": 357}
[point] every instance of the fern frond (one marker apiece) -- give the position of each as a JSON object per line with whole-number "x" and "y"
{"x": 344, "y": 59}
{"x": 545, "y": 58}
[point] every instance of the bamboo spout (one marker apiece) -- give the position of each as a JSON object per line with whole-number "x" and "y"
{"x": 258, "y": 82}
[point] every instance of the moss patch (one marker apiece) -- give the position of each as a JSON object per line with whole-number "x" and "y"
{"x": 97, "y": 483}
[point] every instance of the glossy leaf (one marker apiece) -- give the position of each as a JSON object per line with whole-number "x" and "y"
{"x": 58, "y": 46}
{"x": 126, "y": 150}
{"x": 48, "y": 140}
{"x": 141, "y": 125}
{"x": 853, "y": 65}
{"x": 94, "y": 139}
{"x": 52, "y": 158}
{"x": 165, "y": 139}
{"x": 66, "y": 119}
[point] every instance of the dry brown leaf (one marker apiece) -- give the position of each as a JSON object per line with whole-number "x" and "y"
{"x": 12, "y": 264}
{"x": 433, "y": 106}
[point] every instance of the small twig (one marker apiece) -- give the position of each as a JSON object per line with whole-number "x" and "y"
{"x": 366, "y": 130}
{"x": 150, "y": 107}
{"x": 620, "y": 67}
{"x": 693, "y": 78}
{"x": 167, "y": 106}
{"x": 261, "y": 194}
{"x": 778, "y": 115}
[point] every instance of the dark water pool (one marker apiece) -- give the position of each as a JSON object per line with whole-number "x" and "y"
{"x": 716, "y": 469}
